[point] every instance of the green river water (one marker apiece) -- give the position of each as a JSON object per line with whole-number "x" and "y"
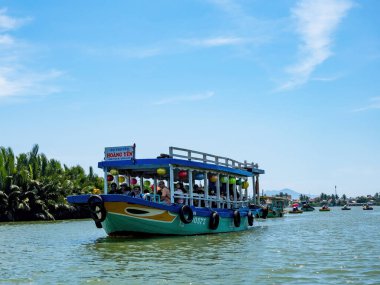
{"x": 337, "y": 247}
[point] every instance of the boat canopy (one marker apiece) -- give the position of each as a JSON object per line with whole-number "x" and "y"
{"x": 205, "y": 162}
{"x": 146, "y": 165}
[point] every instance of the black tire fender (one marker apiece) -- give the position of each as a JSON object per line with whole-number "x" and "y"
{"x": 186, "y": 214}
{"x": 250, "y": 218}
{"x": 214, "y": 220}
{"x": 237, "y": 218}
{"x": 97, "y": 210}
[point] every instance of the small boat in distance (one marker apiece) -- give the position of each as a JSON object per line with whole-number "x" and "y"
{"x": 306, "y": 207}
{"x": 186, "y": 192}
{"x": 367, "y": 207}
{"x": 272, "y": 207}
{"x": 345, "y": 207}
{"x": 295, "y": 209}
{"x": 324, "y": 208}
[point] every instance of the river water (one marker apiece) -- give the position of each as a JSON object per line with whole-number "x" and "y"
{"x": 337, "y": 247}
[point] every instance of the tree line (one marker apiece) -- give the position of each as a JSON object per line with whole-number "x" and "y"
{"x": 335, "y": 200}
{"x": 34, "y": 187}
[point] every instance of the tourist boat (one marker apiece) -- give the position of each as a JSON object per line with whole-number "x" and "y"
{"x": 306, "y": 207}
{"x": 324, "y": 209}
{"x": 346, "y": 208}
{"x": 272, "y": 207}
{"x": 223, "y": 207}
{"x": 295, "y": 211}
{"x": 367, "y": 207}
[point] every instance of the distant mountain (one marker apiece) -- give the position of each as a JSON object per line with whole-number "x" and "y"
{"x": 294, "y": 194}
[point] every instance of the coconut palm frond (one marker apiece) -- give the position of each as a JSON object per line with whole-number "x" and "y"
{"x": 34, "y": 152}
{"x": 43, "y": 163}
{"x": 10, "y": 161}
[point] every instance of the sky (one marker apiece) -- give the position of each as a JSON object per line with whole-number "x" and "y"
{"x": 291, "y": 85}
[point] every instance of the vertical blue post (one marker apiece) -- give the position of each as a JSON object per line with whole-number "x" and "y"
{"x": 228, "y": 192}
{"x": 171, "y": 181}
{"x": 191, "y": 187}
{"x": 205, "y": 182}
{"x": 105, "y": 181}
{"x": 218, "y": 190}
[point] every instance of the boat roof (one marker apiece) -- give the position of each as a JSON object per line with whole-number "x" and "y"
{"x": 123, "y": 158}
{"x": 150, "y": 164}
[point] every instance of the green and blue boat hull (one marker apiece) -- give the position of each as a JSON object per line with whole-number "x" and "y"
{"x": 127, "y": 215}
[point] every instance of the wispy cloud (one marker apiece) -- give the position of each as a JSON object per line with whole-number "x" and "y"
{"x": 316, "y": 21}
{"x": 189, "y": 98}
{"x": 374, "y": 103}
{"x": 165, "y": 48}
{"x": 125, "y": 52}
{"x": 18, "y": 83}
{"x": 17, "y": 79}
{"x": 214, "y": 42}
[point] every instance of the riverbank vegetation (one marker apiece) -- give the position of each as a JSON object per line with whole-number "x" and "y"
{"x": 34, "y": 187}
{"x": 335, "y": 200}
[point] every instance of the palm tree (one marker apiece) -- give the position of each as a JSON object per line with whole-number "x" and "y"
{"x": 34, "y": 187}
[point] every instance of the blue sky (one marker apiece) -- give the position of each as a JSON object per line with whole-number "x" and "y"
{"x": 291, "y": 85}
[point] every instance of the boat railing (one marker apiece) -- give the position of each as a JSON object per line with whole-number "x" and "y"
{"x": 209, "y": 158}
{"x": 200, "y": 201}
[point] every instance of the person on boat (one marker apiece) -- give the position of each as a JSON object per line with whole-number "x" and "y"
{"x": 137, "y": 192}
{"x": 146, "y": 195}
{"x": 165, "y": 193}
{"x": 179, "y": 193}
{"x": 114, "y": 189}
{"x": 125, "y": 189}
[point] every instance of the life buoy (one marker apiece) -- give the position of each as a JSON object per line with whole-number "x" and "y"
{"x": 214, "y": 220}
{"x": 186, "y": 214}
{"x": 237, "y": 218}
{"x": 250, "y": 218}
{"x": 97, "y": 210}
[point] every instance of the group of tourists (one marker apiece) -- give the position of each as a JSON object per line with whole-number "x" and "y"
{"x": 135, "y": 191}
{"x": 180, "y": 193}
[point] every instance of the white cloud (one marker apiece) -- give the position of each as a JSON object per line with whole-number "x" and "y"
{"x": 214, "y": 42}
{"x": 17, "y": 79}
{"x": 374, "y": 103}
{"x": 21, "y": 82}
{"x": 6, "y": 40}
{"x": 7, "y": 23}
{"x": 181, "y": 99}
{"x": 316, "y": 21}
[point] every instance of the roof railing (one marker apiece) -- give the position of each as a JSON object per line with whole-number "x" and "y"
{"x": 209, "y": 158}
